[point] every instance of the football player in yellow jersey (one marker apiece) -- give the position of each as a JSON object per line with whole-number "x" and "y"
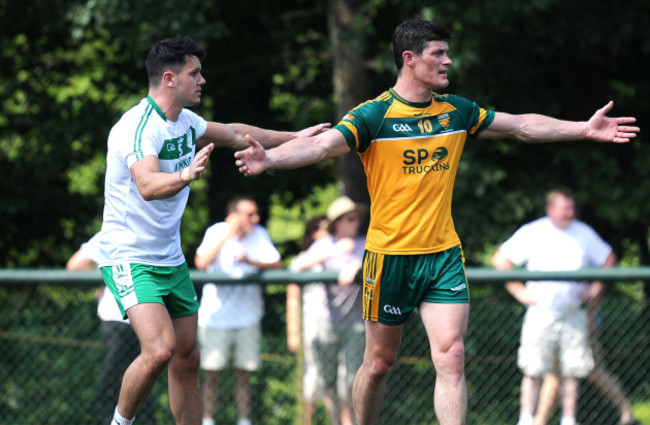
{"x": 409, "y": 141}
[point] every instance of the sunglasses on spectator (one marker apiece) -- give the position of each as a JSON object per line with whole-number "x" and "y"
{"x": 351, "y": 218}
{"x": 249, "y": 214}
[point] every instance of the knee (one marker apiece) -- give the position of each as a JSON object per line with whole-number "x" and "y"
{"x": 380, "y": 365}
{"x": 193, "y": 358}
{"x": 158, "y": 357}
{"x": 451, "y": 359}
{"x": 187, "y": 361}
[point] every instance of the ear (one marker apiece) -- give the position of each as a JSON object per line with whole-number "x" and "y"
{"x": 408, "y": 56}
{"x": 169, "y": 79}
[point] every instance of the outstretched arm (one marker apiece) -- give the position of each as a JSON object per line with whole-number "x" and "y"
{"x": 296, "y": 153}
{"x": 232, "y": 135}
{"x": 535, "y": 128}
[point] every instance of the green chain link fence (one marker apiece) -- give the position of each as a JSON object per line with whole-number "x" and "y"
{"x": 50, "y": 354}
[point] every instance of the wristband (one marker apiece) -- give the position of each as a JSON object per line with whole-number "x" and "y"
{"x": 184, "y": 176}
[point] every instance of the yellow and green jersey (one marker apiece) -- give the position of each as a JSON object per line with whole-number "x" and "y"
{"x": 410, "y": 152}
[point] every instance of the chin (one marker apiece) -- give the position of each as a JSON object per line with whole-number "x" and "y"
{"x": 439, "y": 85}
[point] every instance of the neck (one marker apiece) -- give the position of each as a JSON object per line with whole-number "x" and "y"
{"x": 166, "y": 104}
{"x": 412, "y": 90}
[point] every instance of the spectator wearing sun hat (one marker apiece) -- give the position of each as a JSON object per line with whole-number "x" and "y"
{"x": 339, "y": 344}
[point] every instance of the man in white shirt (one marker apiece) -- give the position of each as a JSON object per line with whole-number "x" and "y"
{"x": 230, "y": 315}
{"x": 340, "y": 335}
{"x": 555, "y": 327}
{"x": 150, "y": 164}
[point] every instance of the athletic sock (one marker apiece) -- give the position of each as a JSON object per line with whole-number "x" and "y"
{"x": 568, "y": 420}
{"x": 525, "y": 419}
{"x": 120, "y": 420}
{"x": 207, "y": 421}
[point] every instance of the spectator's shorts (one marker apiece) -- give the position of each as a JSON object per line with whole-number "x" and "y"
{"x": 547, "y": 341}
{"x": 393, "y": 285}
{"x": 339, "y": 351}
{"x": 216, "y": 345}
{"x": 133, "y": 284}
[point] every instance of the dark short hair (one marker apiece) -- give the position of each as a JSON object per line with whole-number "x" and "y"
{"x": 232, "y": 205}
{"x": 414, "y": 35}
{"x": 170, "y": 53}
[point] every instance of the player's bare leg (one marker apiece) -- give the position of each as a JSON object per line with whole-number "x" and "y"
{"x": 184, "y": 387}
{"x": 382, "y": 343}
{"x": 446, "y": 325}
{"x": 155, "y": 332}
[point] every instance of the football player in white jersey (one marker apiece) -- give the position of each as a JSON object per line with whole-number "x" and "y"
{"x": 151, "y": 162}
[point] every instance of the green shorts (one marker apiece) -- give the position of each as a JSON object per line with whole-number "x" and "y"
{"x": 394, "y": 285}
{"x": 133, "y": 284}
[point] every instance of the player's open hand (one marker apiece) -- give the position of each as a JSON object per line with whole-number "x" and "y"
{"x": 200, "y": 162}
{"x": 252, "y": 160}
{"x": 313, "y": 130}
{"x": 602, "y": 128}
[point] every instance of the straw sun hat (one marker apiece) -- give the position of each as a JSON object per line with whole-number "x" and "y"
{"x": 341, "y": 206}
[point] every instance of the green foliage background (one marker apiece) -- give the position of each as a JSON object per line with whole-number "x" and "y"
{"x": 70, "y": 68}
{"x": 67, "y": 75}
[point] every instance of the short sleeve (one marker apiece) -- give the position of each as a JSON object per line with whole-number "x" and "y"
{"x": 515, "y": 248}
{"x": 91, "y": 248}
{"x": 212, "y": 235}
{"x": 476, "y": 119}
{"x": 267, "y": 252}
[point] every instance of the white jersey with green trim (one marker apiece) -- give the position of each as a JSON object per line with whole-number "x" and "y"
{"x": 135, "y": 230}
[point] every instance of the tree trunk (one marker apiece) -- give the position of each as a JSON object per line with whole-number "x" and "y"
{"x": 352, "y": 85}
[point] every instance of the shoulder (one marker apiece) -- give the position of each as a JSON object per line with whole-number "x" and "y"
{"x": 143, "y": 113}
{"x": 532, "y": 228}
{"x": 465, "y": 106}
{"x": 452, "y": 99}
{"x": 260, "y": 230}
{"x": 361, "y": 123}
{"x": 582, "y": 227}
{"x": 379, "y": 104}
{"x": 139, "y": 120}
{"x": 217, "y": 229}
{"x": 190, "y": 115}
{"x": 371, "y": 109}
{"x": 260, "y": 234}
{"x": 193, "y": 120}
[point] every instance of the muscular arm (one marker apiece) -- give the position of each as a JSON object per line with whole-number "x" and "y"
{"x": 536, "y": 128}
{"x": 232, "y": 135}
{"x": 296, "y": 153}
